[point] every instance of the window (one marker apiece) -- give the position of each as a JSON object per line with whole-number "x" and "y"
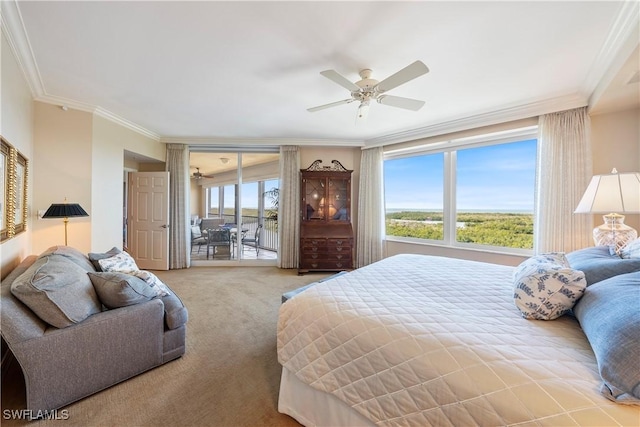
{"x": 476, "y": 193}
{"x": 414, "y": 196}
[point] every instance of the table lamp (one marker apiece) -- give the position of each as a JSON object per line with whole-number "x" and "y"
{"x": 612, "y": 194}
{"x": 65, "y": 210}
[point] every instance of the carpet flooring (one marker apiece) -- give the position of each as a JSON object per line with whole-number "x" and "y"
{"x": 229, "y": 375}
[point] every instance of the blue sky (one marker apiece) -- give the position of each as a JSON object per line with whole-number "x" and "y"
{"x": 497, "y": 177}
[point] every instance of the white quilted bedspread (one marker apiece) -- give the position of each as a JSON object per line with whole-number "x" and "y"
{"x": 416, "y": 340}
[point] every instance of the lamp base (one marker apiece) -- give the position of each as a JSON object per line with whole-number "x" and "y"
{"x": 614, "y": 232}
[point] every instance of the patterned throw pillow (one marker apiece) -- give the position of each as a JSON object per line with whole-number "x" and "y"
{"x": 95, "y": 257}
{"x": 152, "y": 280}
{"x": 121, "y": 262}
{"x": 546, "y": 287}
{"x": 631, "y": 250}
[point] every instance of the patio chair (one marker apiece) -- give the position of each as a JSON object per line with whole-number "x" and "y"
{"x": 253, "y": 241}
{"x": 197, "y": 239}
{"x": 218, "y": 238}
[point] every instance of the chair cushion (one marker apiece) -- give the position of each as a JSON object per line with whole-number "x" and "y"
{"x": 120, "y": 289}
{"x": 72, "y": 254}
{"x": 609, "y": 315}
{"x": 57, "y": 290}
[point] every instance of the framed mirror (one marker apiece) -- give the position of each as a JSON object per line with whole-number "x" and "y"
{"x": 4, "y": 189}
{"x": 20, "y": 192}
{"x": 14, "y": 172}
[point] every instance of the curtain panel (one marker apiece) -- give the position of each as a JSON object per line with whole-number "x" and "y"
{"x": 179, "y": 242}
{"x": 563, "y": 173}
{"x": 289, "y": 207}
{"x": 370, "y": 232}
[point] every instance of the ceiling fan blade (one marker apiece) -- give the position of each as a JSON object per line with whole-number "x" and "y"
{"x": 340, "y": 79}
{"x": 409, "y": 72}
{"x": 333, "y": 104}
{"x": 400, "y": 102}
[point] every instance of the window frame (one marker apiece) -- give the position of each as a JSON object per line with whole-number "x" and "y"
{"x": 450, "y": 148}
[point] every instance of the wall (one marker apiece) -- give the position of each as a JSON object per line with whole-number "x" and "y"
{"x": 109, "y": 141}
{"x": 616, "y": 143}
{"x": 62, "y": 170}
{"x": 16, "y": 126}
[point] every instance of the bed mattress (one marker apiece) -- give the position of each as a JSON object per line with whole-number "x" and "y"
{"x": 418, "y": 340}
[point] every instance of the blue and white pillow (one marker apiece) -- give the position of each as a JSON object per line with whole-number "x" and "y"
{"x": 124, "y": 263}
{"x": 546, "y": 287}
{"x": 631, "y": 250}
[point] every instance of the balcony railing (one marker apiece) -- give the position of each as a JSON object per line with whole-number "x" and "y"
{"x": 268, "y": 235}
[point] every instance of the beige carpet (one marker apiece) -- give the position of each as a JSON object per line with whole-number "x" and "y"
{"x": 229, "y": 375}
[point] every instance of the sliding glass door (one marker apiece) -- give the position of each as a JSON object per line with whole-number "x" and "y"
{"x": 236, "y": 202}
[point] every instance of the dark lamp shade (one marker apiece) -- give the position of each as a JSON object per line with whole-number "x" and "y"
{"x": 64, "y": 210}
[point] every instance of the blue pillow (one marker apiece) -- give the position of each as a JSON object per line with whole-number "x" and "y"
{"x": 598, "y": 264}
{"x": 609, "y": 313}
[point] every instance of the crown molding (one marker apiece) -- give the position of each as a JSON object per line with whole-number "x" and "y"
{"x": 504, "y": 115}
{"x": 622, "y": 40}
{"x": 126, "y": 123}
{"x": 263, "y": 141}
{"x": 16, "y": 35}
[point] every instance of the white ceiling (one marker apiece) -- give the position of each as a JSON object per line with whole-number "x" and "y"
{"x": 247, "y": 71}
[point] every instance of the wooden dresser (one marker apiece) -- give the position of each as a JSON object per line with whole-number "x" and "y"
{"x": 326, "y": 234}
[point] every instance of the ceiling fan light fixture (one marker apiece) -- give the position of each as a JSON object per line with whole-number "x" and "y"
{"x": 363, "y": 112}
{"x": 224, "y": 160}
{"x": 367, "y": 89}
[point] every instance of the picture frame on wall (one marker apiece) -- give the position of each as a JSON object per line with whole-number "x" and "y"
{"x": 14, "y": 172}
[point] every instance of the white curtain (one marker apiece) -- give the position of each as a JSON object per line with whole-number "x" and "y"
{"x": 289, "y": 207}
{"x": 563, "y": 173}
{"x": 370, "y": 235}
{"x": 179, "y": 234}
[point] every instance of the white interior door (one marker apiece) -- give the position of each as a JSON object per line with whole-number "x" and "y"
{"x": 148, "y": 229}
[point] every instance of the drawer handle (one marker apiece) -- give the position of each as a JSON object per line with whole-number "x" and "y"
{"x": 314, "y": 256}
{"x": 338, "y": 249}
{"x": 314, "y": 242}
{"x": 314, "y": 265}
{"x": 339, "y": 242}
{"x": 338, "y": 264}
{"x": 314, "y": 249}
{"x": 339, "y": 256}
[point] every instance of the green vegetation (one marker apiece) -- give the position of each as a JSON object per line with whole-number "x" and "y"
{"x": 510, "y": 230}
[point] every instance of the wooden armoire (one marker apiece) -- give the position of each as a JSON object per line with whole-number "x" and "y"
{"x": 326, "y": 234}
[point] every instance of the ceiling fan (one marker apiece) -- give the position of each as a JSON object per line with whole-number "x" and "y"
{"x": 368, "y": 89}
{"x": 198, "y": 175}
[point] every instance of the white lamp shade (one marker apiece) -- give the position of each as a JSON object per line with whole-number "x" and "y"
{"x": 615, "y": 192}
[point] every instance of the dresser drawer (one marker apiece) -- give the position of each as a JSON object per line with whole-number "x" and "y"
{"x": 309, "y": 264}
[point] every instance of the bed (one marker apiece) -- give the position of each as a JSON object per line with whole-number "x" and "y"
{"x": 416, "y": 340}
